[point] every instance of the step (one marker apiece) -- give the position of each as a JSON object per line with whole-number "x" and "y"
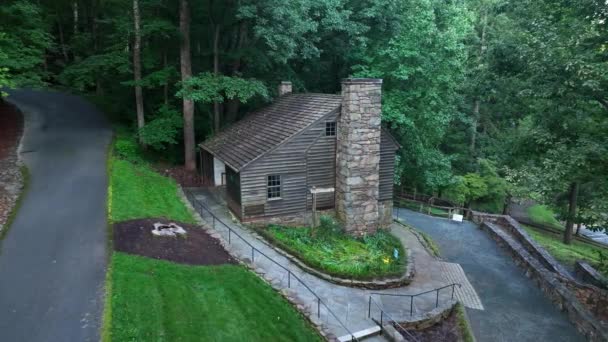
{"x": 361, "y": 334}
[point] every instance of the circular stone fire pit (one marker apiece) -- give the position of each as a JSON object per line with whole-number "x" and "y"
{"x": 171, "y": 229}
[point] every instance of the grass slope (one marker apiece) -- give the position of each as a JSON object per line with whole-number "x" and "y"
{"x": 542, "y": 214}
{"x": 161, "y": 301}
{"x": 137, "y": 191}
{"x": 566, "y": 254}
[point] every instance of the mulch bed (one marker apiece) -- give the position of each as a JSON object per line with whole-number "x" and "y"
{"x": 445, "y": 331}
{"x": 11, "y": 127}
{"x": 196, "y": 248}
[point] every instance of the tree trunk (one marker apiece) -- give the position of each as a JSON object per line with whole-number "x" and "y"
{"x": 75, "y": 16}
{"x": 578, "y": 229}
{"x": 216, "y": 71}
{"x": 166, "y": 85}
{"x": 473, "y": 141}
{"x": 94, "y": 9}
{"x": 64, "y": 49}
{"x": 186, "y": 71}
{"x": 139, "y": 98}
{"x": 571, "y": 213}
{"x": 477, "y": 102}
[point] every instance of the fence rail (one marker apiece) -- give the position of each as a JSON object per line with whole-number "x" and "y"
{"x": 413, "y": 296}
{"x": 202, "y": 209}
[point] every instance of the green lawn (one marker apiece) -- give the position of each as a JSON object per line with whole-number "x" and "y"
{"x": 156, "y": 300}
{"x": 341, "y": 255}
{"x": 542, "y": 214}
{"x": 566, "y": 254}
{"x": 137, "y": 191}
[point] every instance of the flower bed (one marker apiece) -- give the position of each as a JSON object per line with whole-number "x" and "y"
{"x": 330, "y": 251}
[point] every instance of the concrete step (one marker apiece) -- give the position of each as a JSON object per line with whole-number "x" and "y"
{"x": 362, "y": 334}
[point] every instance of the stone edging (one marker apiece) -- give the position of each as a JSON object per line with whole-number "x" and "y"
{"x": 552, "y": 284}
{"x": 420, "y": 239}
{"x": 289, "y": 295}
{"x": 590, "y": 274}
{"x": 421, "y": 321}
{"x": 379, "y": 284}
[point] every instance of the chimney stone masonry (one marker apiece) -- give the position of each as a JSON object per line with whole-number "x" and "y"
{"x": 358, "y": 155}
{"x": 285, "y": 87}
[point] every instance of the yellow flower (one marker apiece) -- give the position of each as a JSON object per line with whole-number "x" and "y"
{"x": 386, "y": 260}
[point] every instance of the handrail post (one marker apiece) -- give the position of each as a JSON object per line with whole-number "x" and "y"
{"x": 288, "y": 279}
{"x": 437, "y": 300}
{"x": 318, "y": 307}
{"x": 213, "y": 221}
{"x": 229, "y": 235}
{"x": 411, "y": 305}
{"x": 381, "y": 316}
{"x": 453, "y": 286}
{"x": 369, "y": 307}
{"x": 252, "y": 255}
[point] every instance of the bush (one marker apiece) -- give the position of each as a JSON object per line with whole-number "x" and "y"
{"x": 127, "y": 149}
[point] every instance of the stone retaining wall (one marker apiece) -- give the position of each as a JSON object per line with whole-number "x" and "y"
{"x": 419, "y": 322}
{"x": 570, "y": 296}
{"x": 590, "y": 275}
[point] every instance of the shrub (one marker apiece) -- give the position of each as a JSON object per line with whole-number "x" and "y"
{"x": 127, "y": 149}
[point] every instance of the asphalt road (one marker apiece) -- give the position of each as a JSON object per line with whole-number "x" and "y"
{"x": 515, "y": 309}
{"x": 53, "y": 259}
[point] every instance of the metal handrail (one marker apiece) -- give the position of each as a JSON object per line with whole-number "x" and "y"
{"x": 290, "y": 274}
{"x": 412, "y": 296}
{"x": 390, "y": 320}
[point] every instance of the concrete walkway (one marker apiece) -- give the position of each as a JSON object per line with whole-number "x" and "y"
{"x": 52, "y": 260}
{"x": 349, "y": 304}
{"x": 515, "y": 309}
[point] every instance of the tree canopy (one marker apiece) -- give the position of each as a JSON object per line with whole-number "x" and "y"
{"x": 489, "y": 99}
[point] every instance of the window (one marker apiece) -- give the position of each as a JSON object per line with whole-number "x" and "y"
{"x": 274, "y": 186}
{"x": 330, "y": 129}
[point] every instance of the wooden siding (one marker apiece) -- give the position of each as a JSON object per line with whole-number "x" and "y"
{"x": 306, "y": 160}
{"x": 387, "y": 166}
{"x": 290, "y": 161}
{"x": 321, "y": 166}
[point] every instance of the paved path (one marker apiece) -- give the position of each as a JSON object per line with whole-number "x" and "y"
{"x": 349, "y": 304}
{"x": 515, "y": 309}
{"x": 52, "y": 261}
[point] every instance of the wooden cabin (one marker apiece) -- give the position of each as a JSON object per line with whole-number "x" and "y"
{"x": 270, "y": 160}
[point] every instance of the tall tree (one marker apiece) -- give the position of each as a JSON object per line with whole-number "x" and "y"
{"x": 139, "y": 98}
{"x": 186, "y": 73}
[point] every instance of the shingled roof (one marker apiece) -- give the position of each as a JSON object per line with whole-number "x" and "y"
{"x": 263, "y": 130}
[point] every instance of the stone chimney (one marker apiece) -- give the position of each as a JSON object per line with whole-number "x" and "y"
{"x": 358, "y": 155}
{"x": 285, "y": 88}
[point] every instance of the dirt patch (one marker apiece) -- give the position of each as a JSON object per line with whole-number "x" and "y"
{"x": 11, "y": 182}
{"x": 181, "y": 175}
{"x": 446, "y": 331}
{"x": 196, "y": 248}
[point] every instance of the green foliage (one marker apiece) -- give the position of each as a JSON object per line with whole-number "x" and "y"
{"x": 208, "y": 88}
{"x": 127, "y": 148}
{"x": 162, "y": 130}
{"x": 24, "y": 40}
{"x": 335, "y": 253}
{"x": 155, "y": 300}
{"x": 421, "y": 59}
